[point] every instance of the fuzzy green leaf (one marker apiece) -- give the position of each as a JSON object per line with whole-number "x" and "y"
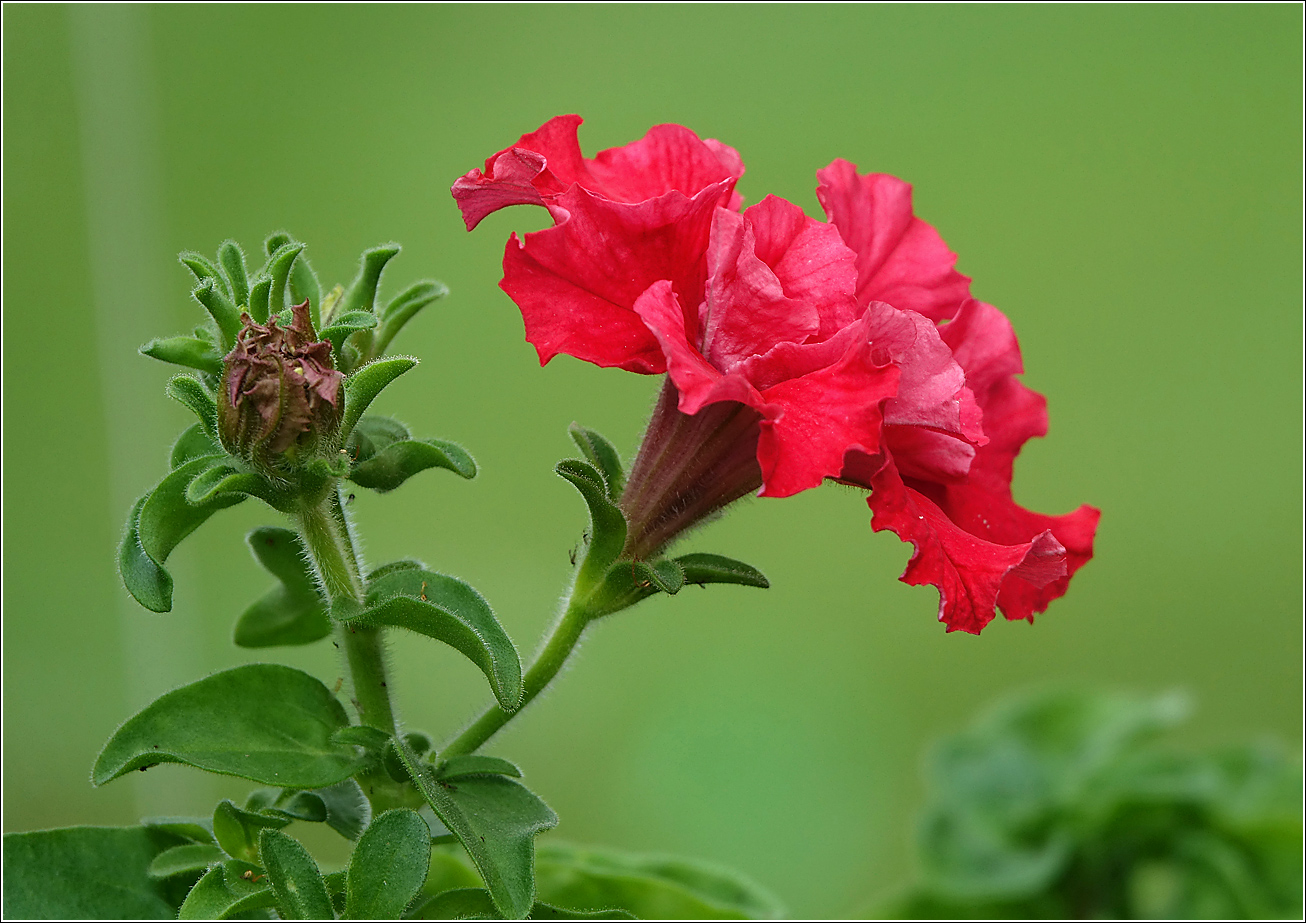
{"x": 193, "y": 443}
{"x": 191, "y": 394}
{"x": 388, "y": 867}
{"x": 293, "y": 612}
{"x": 189, "y": 857}
{"x": 237, "y": 830}
{"x": 260, "y": 293}
{"x": 225, "y": 480}
{"x": 474, "y": 764}
{"x": 446, "y": 609}
{"x": 191, "y": 352}
{"x": 232, "y": 259}
{"x": 304, "y": 286}
{"x": 346, "y": 325}
{"x": 297, "y": 883}
{"x": 650, "y": 887}
{"x": 278, "y": 271}
{"x": 496, "y": 819}
{"x": 226, "y": 890}
{"x": 361, "y": 295}
{"x": 262, "y": 721}
{"x": 203, "y": 269}
{"x": 371, "y": 434}
{"x": 607, "y": 532}
{"x": 195, "y": 829}
{"x": 348, "y": 810}
{"x": 602, "y": 455}
{"x": 79, "y": 873}
{"x": 399, "y": 461}
{"x": 402, "y": 309}
{"x": 362, "y": 387}
{"x": 157, "y": 524}
{"x": 220, "y": 307}
{"x": 715, "y": 568}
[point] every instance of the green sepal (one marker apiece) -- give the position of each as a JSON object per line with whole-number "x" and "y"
{"x": 345, "y": 326}
{"x": 474, "y": 764}
{"x": 278, "y": 271}
{"x": 193, "y": 443}
{"x": 297, "y": 883}
{"x": 402, "y": 309}
{"x": 603, "y": 456}
{"x": 236, "y": 829}
{"x": 362, "y": 387}
{"x": 220, "y": 307}
{"x": 388, "y": 867}
{"x": 81, "y": 873}
{"x": 195, "y": 829}
{"x": 191, "y": 352}
{"x": 304, "y": 286}
{"x": 183, "y": 859}
{"x": 371, "y": 434}
{"x": 204, "y": 270}
{"x": 260, "y": 293}
{"x": 191, "y": 394}
{"x": 227, "y": 890}
{"x": 361, "y": 295}
{"x": 157, "y": 524}
{"x": 262, "y": 721}
{"x": 293, "y": 611}
{"x": 446, "y": 609}
{"x": 607, "y": 532}
{"x": 653, "y": 887}
{"x": 398, "y": 461}
{"x": 496, "y": 819}
{"x": 232, "y": 260}
{"x": 702, "y": 569}
{"x": 226, "y": 478}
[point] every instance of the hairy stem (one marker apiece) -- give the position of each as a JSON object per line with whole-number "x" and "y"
{"x": 558, "y": 646}
{"x": 326, "y": 535}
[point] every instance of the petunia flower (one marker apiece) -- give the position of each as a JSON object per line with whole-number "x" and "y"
{"x": 796, "y": 351}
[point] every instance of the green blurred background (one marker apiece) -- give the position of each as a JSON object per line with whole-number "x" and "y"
{"x": 1124, "y": 182}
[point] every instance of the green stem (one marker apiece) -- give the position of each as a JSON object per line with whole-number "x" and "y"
{"x": 557, "y": 648}
{"x": 326, "y": 535}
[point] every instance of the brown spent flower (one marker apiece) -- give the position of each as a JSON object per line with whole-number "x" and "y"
{"x": 280, "y": 389}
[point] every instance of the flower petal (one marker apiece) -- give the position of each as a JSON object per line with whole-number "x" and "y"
{"x": 900, "y": 258}
{"x": 577, "y": 282}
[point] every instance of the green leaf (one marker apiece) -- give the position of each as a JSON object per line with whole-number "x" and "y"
{"x": 226, "y": 890}
{"x": 293, "y": 611}
{"x": 703, "y": 569}
{"x": 278, "y": 270}
{"x": 193, "y": 443}
{"x": 189, "y": 857}
{"x": 196, "y": 829}
{"x": 203, "y": 269}
{"x": 236, "y": 829}
{"x": 602, "y": 455}
{"x": 388, "y": 867}
{"x": 650, "y": 887}
{"x": 287, "y": 803}
{"x": 371, "y": 739}
{"x": 224, "y": 481}
{"x": 362, "y": 387}
{"x": 399, "y": 461}
{"x": 304, "y": 285}
{"x": 476, "y": 904}
{"x": 402, "y": 309}
{"x": 191, "y": 394}
{"x": 344, "y": 326}
{"x": 607, "y": 533}
{"x": 496, "y": 819}
{"x": 232, "y": 259}
{"x": 297, "y": 883}
{"x": 157, "y": 524}
{"x": 260, "y": 293}
{"x": 261, "y": 721}
{"x": 474, "y": 764}
{"x": 220, "y": 308}
{"x": 371, "y": 434}
{"x": 446, "y": 609}
{"x": 348, "y": 810}
{"x": 85, "y": 873}
{"x": 188, "y": 351}
{"x": 361, "y": 295}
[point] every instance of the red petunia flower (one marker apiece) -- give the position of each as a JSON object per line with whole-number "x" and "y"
{"x": 796, "y": 350}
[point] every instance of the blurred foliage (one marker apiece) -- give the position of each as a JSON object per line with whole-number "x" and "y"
{"x": 1065, "y": 805}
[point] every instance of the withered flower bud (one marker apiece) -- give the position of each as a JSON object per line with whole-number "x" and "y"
{"x": 280, "y": 390}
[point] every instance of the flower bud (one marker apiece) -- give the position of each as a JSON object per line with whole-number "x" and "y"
{"x": 280, "y": 395}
